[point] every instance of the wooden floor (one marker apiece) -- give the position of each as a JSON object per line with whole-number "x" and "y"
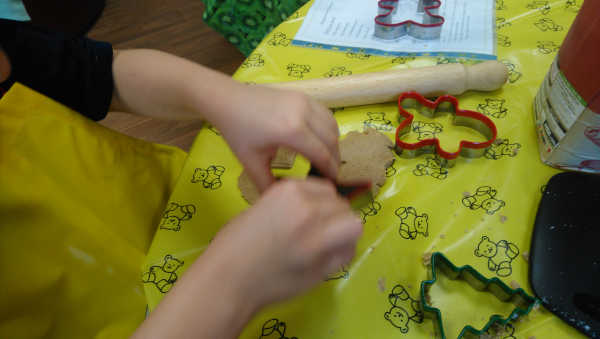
{"x": 173, "y": 26}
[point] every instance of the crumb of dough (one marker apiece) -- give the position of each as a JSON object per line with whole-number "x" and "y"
{"x": 525, "y": 256}
{"x": 442, "y": 236}
{"x": 381, "y": 284}
{"x": 514, "y": 285}
{"x": 284, "y": 158}
{"x": 427, "y": 259}
{"x": 249, "y": 191}
{"x": 365, "y": 157}
{"x": 428, "y": 299}
{"x": 466, "y": 194}
{"x": 503, "y": 218}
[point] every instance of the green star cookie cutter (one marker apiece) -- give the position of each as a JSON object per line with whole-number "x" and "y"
{"x": 524, "y": 303}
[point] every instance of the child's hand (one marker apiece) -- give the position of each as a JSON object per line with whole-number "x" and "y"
{"x": 261, "y": 119}
{"x": 290, "y": 240}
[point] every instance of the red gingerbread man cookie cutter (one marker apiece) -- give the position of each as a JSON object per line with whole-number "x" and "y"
{"x": 443, "y": 104}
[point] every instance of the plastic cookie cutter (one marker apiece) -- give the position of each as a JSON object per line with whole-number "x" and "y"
{"x": 429, "y": 29}
{"x": 523, "y": 302}
{"x": 430, "y": 109}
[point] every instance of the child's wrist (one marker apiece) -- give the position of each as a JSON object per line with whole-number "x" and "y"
{"x": 235, "y": 286}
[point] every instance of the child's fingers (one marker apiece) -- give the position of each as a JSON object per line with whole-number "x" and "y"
{"x": 326, "y": 116}
{"x": 327, "y": 135}
{"x": 259, "y": 170}
{"x": 325, "y": 126}
{"x": 339, "y": 258}
{"x": 343, "y": 230}
{"x": 314, "y": 149}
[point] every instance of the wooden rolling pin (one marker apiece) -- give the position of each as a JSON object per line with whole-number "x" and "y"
{"x": 379, "y": 87}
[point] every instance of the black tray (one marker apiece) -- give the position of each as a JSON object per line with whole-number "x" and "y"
{"x": 564, "y": 269}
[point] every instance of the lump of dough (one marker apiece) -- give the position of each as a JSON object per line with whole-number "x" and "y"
{"x": 249, "y": 191}
{"x": 365, "y": 157}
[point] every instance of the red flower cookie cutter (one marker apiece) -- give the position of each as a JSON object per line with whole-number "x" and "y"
{"x": 430, "y": 28}
{"x": 443, "y": 104}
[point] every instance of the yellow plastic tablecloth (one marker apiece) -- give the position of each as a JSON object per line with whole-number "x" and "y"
{"x": 482, "y": 204}
{"x": 78, "y": 206}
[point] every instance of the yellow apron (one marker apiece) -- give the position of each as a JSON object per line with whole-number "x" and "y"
{"x": 479, "y": 204}
{"x": 78, "y": 206}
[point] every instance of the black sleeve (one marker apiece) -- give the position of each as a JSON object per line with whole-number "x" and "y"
{"x": 75, "y": 72}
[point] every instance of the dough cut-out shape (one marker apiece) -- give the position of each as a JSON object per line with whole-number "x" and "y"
{"x": 249, "y": 191}
{"x": 365, "y": 157}
{"x": 284, "y": 158}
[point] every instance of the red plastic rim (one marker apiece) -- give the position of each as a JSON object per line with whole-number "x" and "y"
{"x": 408, "y": 119}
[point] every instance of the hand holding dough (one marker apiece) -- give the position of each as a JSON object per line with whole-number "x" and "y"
{"x": 364, "y": 156}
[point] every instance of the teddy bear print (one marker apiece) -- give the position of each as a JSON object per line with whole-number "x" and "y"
{"x": 254, "y": 60}
{"x": 547, "y": 47}
{"x": 378, "y": 122}
{"x": 499, "y": 255}
{"x": 360, "y": 55}
{"x": 502, "y": 149}
{"x": 371, "y": 209}
{"x": 513, "y": 73}
{"x": 484, "y": 198}
{"x": 501, "y": 23}
{"x": 175, "y": 215}
{"x": 412, "y": 223}
{"x": 209, "y": 177}
{"x": 500, "y": 5}
{"x": 390, "y": 171}
{"x": 404, "y": 309}
{"x": 297, "y": 71}
{"x": 503, "y": 40}
{"x": 163, "y": 276}
{"x": 547, "y": 24}
{"x": 434, "y": 167}
{"x": 279, "y": 39}
{"x": 426, "y": 130}
{"x": 572, "y": 6}
{"x": 337, "y": 71}
{"x": 493, "y": 107}
{"x": 341, "y": 274}
{"x": 274, "y": 329}
{"x": 401, "y": 60}
{"x": 541, "y": 5}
